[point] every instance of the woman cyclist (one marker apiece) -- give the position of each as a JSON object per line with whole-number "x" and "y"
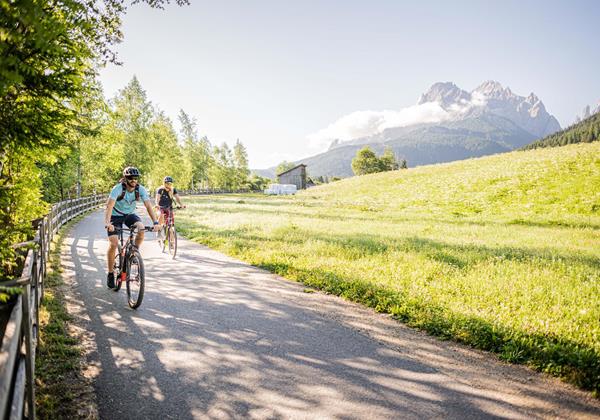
{"x": 165, "y": 196}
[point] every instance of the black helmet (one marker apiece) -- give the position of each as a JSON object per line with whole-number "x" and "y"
{"x": 131, "y": 171}
{"x": 168, "y": 179}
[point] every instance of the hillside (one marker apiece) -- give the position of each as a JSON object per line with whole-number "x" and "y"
{"x": 428, "y": 143}
{"x": 549, "y": 186}
{"x": 585, "y": 131}
{"x": 499, "y": 252}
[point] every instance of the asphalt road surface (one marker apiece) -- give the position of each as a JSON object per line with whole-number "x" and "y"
{"x": 217, "y": 338}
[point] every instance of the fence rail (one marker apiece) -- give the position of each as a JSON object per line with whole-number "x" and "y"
{"x": 18, "y": 346}
{"x": 208, "y": 191}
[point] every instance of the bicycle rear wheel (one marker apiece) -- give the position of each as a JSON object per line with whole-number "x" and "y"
{"x": 172, "y": 241}
{"x": 161, "y": 238}
{"x": 135, "y": 279}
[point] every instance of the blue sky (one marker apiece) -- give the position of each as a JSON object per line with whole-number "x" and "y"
{"x": 272, "y": 73}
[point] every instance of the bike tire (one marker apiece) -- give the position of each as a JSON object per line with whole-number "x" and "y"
{"x": 164, "y": 242}
{"x": 161, "y": 242}
{"x": 172, "y": 241}
{"x": 135, "y": 279}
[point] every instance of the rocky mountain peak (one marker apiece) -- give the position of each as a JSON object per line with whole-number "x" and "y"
{"x": 528, "y": 112}
{"x": 444, "y": 93}
{"x": 490, "y": 88}
{"x": 532, "y": 98}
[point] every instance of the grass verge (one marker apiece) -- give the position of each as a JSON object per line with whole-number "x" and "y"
{"x": 61, "y": 389}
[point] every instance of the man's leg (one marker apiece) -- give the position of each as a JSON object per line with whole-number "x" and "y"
{"x": 139, "y": 238}
{"x": 112, "y": 252}
{"x": 110, "y": 258}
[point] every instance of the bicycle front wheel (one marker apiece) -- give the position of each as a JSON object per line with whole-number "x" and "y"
{"x": 117, "y": 271}
{"x": 135, "y": 279}
{"x": 172, "y": 241}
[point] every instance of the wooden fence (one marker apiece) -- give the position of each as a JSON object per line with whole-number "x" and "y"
{"x": 18, "y": 346}
{"x": 208, "y": 191}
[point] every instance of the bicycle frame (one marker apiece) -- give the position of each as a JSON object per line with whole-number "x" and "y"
{"x": 170, "y": 215}
{"x": 124, "y": 250}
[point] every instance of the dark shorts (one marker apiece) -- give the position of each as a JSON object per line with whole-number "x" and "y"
{"x": 128, "y": 219}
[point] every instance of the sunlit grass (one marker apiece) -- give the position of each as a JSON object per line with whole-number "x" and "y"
{"x": 501, "y": 252}
{"x": 60, "y": 387}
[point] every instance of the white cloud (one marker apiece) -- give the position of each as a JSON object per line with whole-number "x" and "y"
{"x": 367, "y": 123}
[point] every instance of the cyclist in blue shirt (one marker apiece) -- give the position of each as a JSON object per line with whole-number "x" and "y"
{"x": 120, "y": 208}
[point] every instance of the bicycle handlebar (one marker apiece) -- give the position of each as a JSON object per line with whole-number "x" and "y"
{"x": 131, "y": 229}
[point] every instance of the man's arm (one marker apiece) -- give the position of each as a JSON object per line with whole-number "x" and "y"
{"x": 157, "y": 199}
{"x": 110, "y": 203}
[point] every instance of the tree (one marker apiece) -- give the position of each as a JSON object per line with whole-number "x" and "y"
{"x": 169, "y": 160}
{"x": 284, "y": 166}
{"x": 133, "y": 115}
{"x": 388, "y": 160}
{"x": 365, "y": 162}
{"x": 240, "y": 162}
{"x": 222, "y": 171}
{"x": 258, "y": 183}
{"x": 196, "y": 151}
{"x": 49, "y": 52}
{"x": 403, "y": 164}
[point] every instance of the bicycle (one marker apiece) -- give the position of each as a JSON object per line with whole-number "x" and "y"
{"x": 169, "y": 233}
{"x": 129, "y": 267}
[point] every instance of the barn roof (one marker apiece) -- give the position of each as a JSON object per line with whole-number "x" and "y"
{"x": 289, "y": 170}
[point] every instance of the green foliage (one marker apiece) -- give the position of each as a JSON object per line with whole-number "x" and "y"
{"x": 366, "y": 162}
{"x": 167, "y": 157}
{"x": 499, "y": 252}
{"x": 7, "y": 293}
{"x": 388, "y": 160}
{"x": 196, "y": 151}
{"x": 55, "y": 126}
{"x": 222, "y": 172}
{"x": 284, "y": 166}
{"x": 258, "y": 183}
{"x": 46, "y": 53}
{"x": 133, "y": 116}
{"x": 586, "y": 131}
{"x": 240, "y": 162}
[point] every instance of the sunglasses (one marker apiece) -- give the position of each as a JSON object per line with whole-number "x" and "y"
{"x": 132, "y": 178}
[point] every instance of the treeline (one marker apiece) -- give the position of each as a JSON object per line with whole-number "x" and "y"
{"x": 132, "y": 132}
{"x": 585, "y": 131}
{"x": 59, "y": 137}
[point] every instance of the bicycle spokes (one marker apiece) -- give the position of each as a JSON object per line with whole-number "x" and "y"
{"x": 135, "y": 280}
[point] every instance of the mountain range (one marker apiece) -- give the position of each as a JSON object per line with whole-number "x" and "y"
{"x": 490, "y": 119}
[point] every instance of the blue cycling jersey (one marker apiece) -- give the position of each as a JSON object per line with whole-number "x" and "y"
{"x": 127, "y": 204}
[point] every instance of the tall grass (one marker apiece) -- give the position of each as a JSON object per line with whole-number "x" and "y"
{"x": 502, "y": 252}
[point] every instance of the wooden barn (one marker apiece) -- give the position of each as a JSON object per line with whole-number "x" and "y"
{"x": 295, "y": 176}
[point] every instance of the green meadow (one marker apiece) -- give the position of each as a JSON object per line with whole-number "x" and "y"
{"x": 501, "y": 252}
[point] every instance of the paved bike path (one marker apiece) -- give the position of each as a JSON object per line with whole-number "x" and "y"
{"x": 216, "y": 338}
